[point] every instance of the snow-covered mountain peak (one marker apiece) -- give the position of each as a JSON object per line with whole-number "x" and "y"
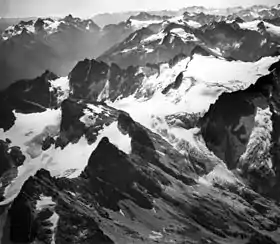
{"x": 49, "y": 26}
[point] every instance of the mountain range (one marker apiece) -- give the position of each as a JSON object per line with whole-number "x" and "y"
{"x": 162, "y": 128}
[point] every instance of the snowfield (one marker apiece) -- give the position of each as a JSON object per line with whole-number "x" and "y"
{"x": 204, "y": 79}
{"x": 67, "y": 162}
{"x": 28, "y": 126}
{"x": 253, "y": 25}
{"x": 138, "y": 24}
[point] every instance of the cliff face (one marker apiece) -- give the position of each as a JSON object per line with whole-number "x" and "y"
{"x": 95, "y": 80}
{"x": 241, "y": 129}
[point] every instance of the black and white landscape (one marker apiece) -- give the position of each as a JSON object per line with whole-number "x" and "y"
{"x": 141, "y": 127}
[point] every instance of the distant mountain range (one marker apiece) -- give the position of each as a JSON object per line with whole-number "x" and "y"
{"x": 30, "y": 47}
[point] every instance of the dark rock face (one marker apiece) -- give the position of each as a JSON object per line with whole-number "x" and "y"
{"x": 260, "y": 239}
{"x": 115, "y": 176}
{"x": 227, "y": 38}
{"x": 22, "y": 221}
{"x": 7, "y": 116}
{"x": 27, "y": 96}
{"x": 175, "y": 85}
{"x": 176, "y": 59}
{"x": 85, "y": 74}
{"x": 274, "y": 21}
{"x": 120, "y": 176}
{"x": 201, "y": 51}
{"x": 5, "y": 162}
{"x": 71, "y": 126}
{"x": 95, "y": 80}
{"x": 33, "y": 224}
{"x": 37, "y": 91}
{"x": 229, "y": 123}
{"x": 10, "y": 157}
{"x": 47, "y": 143}
{"x": 227, "y": 116}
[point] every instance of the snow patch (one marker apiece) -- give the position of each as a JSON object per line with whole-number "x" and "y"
{"x": 129, "y": 50}
{"x": 193, "y": 24}
{"x": 149, "y": 50}
{"x": 219, "y": 175}
{"x": 27, "y": 126}
{"x": 154, "y": 37}
{"x": 250, "y": 25}
{"x": 44, "y": 202}
{"x": 155, "y": 236}
{"x": 62, "y": 86}
{"x": 54, "y": 221}
{"x": 95, "y": 109}
{"x": 73, "y": 156}
{"x": 138, "y": 24}
{"x": 30, "y": 167}
{"x": 104, "y": 94}
{"x": 52, "y": 26}
{"x": 258, "y": 148}
{"x": 30, "y": 28}
{"x": 123, "y": 142}
{"x": 133, "y": 37}
{"x": 181, "y": 33}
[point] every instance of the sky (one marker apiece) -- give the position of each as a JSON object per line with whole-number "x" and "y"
{"x": 88, "y": 8}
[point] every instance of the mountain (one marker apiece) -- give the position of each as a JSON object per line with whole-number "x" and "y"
{"x": 7, "y": 22}
{"x": 233, "y": 40}
{"x": 170, "y": 136}
{"x": 101, "y": 158}
{"x": 62, "y": 43}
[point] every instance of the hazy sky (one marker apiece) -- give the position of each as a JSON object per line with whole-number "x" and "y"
{"x": 86, "y": 8}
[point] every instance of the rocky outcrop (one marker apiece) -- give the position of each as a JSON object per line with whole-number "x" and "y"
{"x": 241, "y": 129}
{"x": 175, "y": 85}
{"x": 10, "y": 157}
{"x": 27, "y": 96}
{"x": 97, "y": 81}
{"x": 50, "y": 214}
